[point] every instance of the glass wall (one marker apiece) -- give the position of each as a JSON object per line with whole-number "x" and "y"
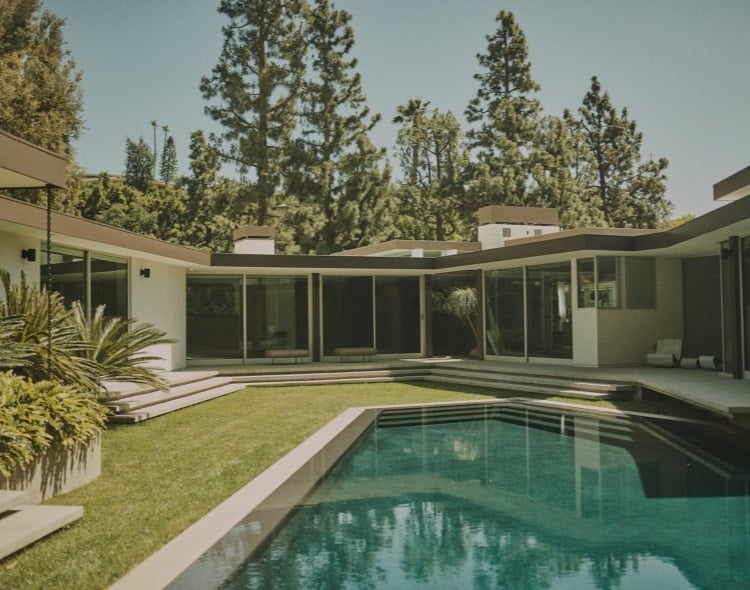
{"x": 746, "y": 298}
{"x": 453, "y": 321}
{"x": 347, "y": 313}
{"x": 109, "y": 285}
{"x": 276, "y": 314}
{"x": 68, "y": 273}
{"x": 505, "y": 312}
{"x": 549, "y": 313}
{"x": 397, "y": 315}
{"x": 214, "y": 317}
{"x": 598, "y": 282}
{"x": 586, "y": 282}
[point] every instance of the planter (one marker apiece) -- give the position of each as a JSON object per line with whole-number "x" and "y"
{"x": 58, "y": 471}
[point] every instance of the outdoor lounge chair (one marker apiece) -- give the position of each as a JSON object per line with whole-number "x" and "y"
{"x": 668, "y": 353}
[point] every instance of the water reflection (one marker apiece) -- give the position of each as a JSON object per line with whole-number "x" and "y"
{"x": 517, "y": 498}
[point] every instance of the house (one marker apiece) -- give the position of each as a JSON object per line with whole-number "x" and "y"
{"x": 594, "y": 297}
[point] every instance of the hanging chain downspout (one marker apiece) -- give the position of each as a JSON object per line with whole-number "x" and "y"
{"x": 49, "y": 282}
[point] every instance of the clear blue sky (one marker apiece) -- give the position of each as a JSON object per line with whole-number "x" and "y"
{"x": 679, "y": 66}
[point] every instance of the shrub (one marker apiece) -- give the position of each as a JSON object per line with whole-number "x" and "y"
{"x": 33, "y": 416}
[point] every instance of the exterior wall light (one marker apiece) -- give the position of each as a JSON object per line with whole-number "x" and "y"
{"x": 146, "y": 273}
{"x": 29, "y": 254}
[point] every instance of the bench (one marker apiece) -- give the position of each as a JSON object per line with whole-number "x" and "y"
{"x": 298, "y": 354}
{"x": 366, "y": 352}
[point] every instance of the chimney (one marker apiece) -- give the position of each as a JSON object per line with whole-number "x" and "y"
{"x": 500, "y": 223}
{"x": 254, "y": 239}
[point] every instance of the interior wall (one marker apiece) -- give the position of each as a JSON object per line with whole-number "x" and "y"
{"x": 626, "y": 336}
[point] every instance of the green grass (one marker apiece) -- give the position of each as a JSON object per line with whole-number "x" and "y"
{"x": 160, "y": 476}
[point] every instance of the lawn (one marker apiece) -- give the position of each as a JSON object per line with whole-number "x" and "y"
{"x": 160, "y": 476}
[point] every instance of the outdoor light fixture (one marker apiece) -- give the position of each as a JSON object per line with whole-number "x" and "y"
{"x": 29, "y": 254}
{"x": 145, "y": 273}
{"x": 726, "y": 253}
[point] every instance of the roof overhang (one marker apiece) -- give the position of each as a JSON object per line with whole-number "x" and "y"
{"x": 25, "y": 165}
{"x": 733, "y": 187}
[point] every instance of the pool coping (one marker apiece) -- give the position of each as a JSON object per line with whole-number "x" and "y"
{"x": 280, "y": 487}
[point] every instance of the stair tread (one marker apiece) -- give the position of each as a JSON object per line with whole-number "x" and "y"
{"x": 12, "y": 498}
{"x": 26, "y": 524}
{"x": 155, "y": 397}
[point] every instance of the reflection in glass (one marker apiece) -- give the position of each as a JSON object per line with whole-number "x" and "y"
{"x": 397, "y": 313}
{"x": 276, "y": 314}
{"x": 608, "y": 292}
{"x": 549, "y": 312}
{"x": 347, "y": 313}
{"x": 516, "y": 497}
{"x": 109, "y": 285}
{"x": 505, "y": 312}
{"x": 452, "y": 334}
{"x": 586, "y": 282}
{"x": 214, "y": 317}
{"x": 68, "y": 274}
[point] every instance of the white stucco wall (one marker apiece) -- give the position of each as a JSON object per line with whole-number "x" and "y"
{"x": 10, "y": 258}
{"x": 585, "y": 330}
{"x": 160, "y": 300}
{"x": 626, "y": 336}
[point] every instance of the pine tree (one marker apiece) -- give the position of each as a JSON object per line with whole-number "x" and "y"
{"x": 40, "y": 94}
{"x": 435, "y": 162}
{"x": 629, "y": 191}
{"x": 168, "y": 165}
{"x": 139, "y": 164}
{"x": 254, "y": 89}
{"x": 506, "y": 113}
{"x": 333, "y": 147}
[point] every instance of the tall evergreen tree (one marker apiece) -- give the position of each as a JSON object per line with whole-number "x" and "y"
{"x": 254, "y": 88}
{"x": 629, "y": 190}
{"x": 139, "y": 164}
{"x": 434, "y": 161}
{"x": 168, "y": 165}
{"x": 40, "y": 93}
{"x": 333, "y": 146}
{"x": 506, "y": 113}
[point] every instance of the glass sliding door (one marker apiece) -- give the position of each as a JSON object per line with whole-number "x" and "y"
{"x": 276, "y": 314}
{"x": 549, "y": 312}
{"x": 214, "y": 317}
{"x": 746, "y": 298}
{"x": 397, "y": 315}
{"x": 730, "y": 306}
{"x": 109, "y": 285}
{"x": 68, "y": 274}
{"x": 505, "y": 312}
{"x": 347, "y": 313}
{"x": 454, "y": 331}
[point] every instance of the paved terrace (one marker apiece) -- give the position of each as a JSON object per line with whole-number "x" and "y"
{"x": 701, "y": 388}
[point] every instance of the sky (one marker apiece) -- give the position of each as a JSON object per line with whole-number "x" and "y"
{"x": 678, "y": 66}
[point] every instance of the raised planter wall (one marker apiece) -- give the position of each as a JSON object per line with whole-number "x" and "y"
{"x": 58, "y": 471}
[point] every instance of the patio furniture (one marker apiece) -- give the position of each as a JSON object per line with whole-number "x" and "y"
{"x": 668, "y": 353}
{"x": 298, "y": 354}
{"x": 366, "y": 352}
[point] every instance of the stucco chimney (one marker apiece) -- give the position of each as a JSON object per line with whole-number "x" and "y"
{"x": 500, "y": 223}
{"x": 254, "y": 239}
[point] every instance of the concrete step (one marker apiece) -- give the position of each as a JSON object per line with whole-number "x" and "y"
{"x": 25, "y": 524}
{"x": 143, "y": 400}
{"x": 170, "y": 405}
{"x": 329, "y": 376}
{"x": 10, "y": 499}
{"x": 333, "y": 380}
{"x": 521, "y": 387}
{"x": 118, "y": 390}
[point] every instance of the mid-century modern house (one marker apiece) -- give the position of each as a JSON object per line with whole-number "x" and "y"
{"x": 585, "y": 297}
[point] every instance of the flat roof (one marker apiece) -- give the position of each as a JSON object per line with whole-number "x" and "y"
{"x": 25, "y": 165}
{"x": 733, "y": 187}
{"x": 395, "y": 246}
{"x": 518, "y": 215}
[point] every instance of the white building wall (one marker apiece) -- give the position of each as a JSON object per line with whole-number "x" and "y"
{"x": 585, "y": 337}
{"x": 10, "y": 258}
{"x": 494, "y": 235}
{"x": 161, "y": 300}
{"x": 626, "y": 336}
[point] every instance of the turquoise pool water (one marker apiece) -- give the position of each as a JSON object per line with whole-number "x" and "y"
{"x": 515, "y": 497}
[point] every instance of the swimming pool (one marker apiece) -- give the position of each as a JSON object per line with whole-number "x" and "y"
{"x": 512, "y": 496}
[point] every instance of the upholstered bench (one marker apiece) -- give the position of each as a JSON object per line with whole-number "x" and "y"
{"x": 366, "y": 352}
{"x": 298, "y": 354}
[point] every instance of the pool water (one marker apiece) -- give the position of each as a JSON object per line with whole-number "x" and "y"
{"x": 517, "y": 497}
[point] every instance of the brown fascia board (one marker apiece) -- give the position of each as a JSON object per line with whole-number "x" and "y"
{"x": 31, "y": 165}
{"x": 26, "y": 214}
{"x": 565, "y": 242}
{"x": 733, "y": 187}
{"x": 304, "y": 261}
{"x": 410, "y": 245}
{"x": 726, "y": 215}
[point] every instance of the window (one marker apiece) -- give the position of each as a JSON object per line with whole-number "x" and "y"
{"x": 214, "y": 317}
{"x": 607, "y": 291}
{"x": 397, "y": 314}
{"x": 640, "y": 283}
{"x": 505, "y": 312}
{"x": 68, "y": 274}
{"x": 586, "y": 283}
{"x": 506, "y": 232}
{"x": 347, "y": 313}
{"x": 548, "y": 311}
{"x": 109, "y": 285}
